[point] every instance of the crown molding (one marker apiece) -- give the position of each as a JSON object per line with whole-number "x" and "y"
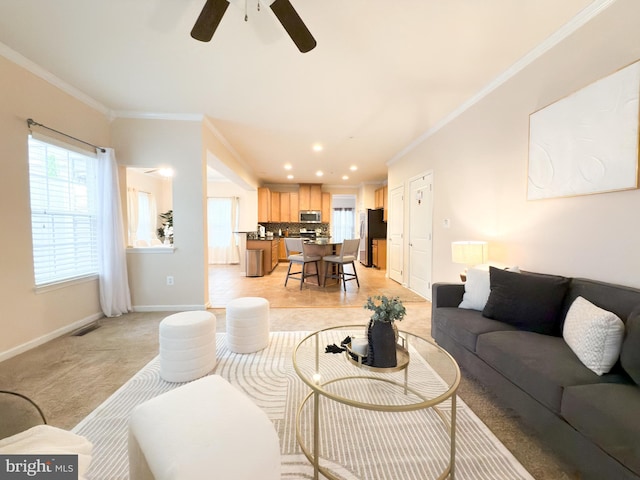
{"x": 49, "y": 77}
{"x": 583, "y": 17}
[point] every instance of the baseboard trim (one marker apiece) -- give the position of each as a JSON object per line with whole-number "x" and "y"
{"x": 36, "y": 342}
{"x": 167, "y": 308}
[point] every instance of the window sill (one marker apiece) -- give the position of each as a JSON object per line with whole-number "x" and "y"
{"x": 162, "y": 249}
{"x": 49, "y": 287}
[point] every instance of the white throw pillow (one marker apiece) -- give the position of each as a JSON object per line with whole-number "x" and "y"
{"x": 595, "y": 335}
{"x": 478, "y": 286}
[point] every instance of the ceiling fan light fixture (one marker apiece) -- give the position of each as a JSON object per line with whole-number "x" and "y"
{"x": 213, "y": 11}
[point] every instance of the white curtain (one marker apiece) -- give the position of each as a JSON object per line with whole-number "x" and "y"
{"x": 222, "y": 221}
{"x": 343, "y": 224}
{"x": 132, "y": 211}
{"x": 115, "y": 298}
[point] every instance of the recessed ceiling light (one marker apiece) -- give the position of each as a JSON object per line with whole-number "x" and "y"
{"x": 317, "y": 147}
{"x": 353, "y": 168}
{"x": 287, "y": 166}
{"x": 319, "y": 173}
{"x": 166, "y": 172}
{"x": 289, "y": 176}
{"x": 345, "y": 177}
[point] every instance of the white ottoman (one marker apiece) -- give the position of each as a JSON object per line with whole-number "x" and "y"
{"x": 187, "y": 346}
{"x": 247, "y": 324}
{"x": 203, "y": 430}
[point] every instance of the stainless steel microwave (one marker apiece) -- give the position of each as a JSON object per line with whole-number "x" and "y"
{"x": 310, "y": 216}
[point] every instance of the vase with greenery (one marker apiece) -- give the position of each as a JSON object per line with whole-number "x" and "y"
{"x": 381, "y": 331}
{"x": 165, "y": 233}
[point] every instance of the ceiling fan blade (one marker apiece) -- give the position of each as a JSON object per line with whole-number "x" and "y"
{"x": 209, "y": 19}
{"x": 294, "y": 25}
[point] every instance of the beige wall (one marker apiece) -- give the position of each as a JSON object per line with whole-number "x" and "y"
{"x": 28, "y": 318}
{"x": 479, "y": 162}
{"x": 177, "y": 144}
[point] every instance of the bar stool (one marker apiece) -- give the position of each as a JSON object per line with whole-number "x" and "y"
{"x": 297, "y": 253}
{"x": 347, "y": 256}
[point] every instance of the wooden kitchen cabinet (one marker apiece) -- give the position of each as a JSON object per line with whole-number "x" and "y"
{"x": 310, "y": 196}
{"x": 282, "y": 251}
{"x": 264, "y": 204}
{"x": 379, "y": 253}
{"x": 326, "y": 207}
{"x": 275, "y": 245}
{"x": 275, "y": 208}
{"x": 294, "y": 212}
{"x": 285, "y": 207}
{"x": 381, "y": 200}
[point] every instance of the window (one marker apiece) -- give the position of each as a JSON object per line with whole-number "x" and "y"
{"x": 343, "y": 218}
{"x": 63, "y": 212}
{"x": 222, "y": 221}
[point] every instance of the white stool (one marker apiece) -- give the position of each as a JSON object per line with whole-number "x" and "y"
{"x": 203, "y": 430}
{"x": 187, "y": 346}
{"x": 247, "y": 324}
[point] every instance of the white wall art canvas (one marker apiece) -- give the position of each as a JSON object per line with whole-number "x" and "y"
{"x": 587, "y": 142}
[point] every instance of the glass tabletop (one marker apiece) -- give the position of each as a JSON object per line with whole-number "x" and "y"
{"x": 430, "y": 377}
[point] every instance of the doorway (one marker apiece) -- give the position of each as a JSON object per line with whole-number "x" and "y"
{"x": 421, "y": 234}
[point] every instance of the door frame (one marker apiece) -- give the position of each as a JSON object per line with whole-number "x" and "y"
{"x": 396, "y": 212}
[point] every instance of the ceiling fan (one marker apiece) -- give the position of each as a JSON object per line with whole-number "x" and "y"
{"x": 213, "y": 10}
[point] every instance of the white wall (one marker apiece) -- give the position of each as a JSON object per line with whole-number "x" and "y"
{"x": 177, "y": 144}
{"x": 28, "y": 318}
{"x": 479, "y": 162}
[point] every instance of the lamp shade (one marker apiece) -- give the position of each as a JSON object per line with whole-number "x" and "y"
{"x": 469, "y": 252}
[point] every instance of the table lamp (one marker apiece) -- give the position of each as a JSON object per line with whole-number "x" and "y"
{"x": 469, "y": 253}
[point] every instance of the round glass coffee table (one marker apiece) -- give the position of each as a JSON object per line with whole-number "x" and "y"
{"x": 419, "y": 394}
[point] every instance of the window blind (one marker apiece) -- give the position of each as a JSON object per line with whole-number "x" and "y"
{"x": 63, "y": 186}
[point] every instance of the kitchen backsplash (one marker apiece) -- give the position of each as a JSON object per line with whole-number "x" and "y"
{"x": 294, "y": 228}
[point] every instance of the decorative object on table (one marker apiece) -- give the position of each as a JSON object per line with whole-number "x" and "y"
{"x": 381, "y": 331}
{"x": 165, "y": 233}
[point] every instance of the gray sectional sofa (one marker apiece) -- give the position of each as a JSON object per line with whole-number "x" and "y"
{"x": 591, "y": 420}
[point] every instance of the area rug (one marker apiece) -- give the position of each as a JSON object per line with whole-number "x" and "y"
{"x": 361, "y": 444}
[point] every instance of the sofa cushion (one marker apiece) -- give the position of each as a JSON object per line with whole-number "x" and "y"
{"x": 630, "y": 353}
{"x": 607, "y": 414}
{"x": 478, "y": 286}
{"x": 464, "y": 325}
{"x": 531, "y": 302}
{"x": 476, "y": 289}
{"x": 541, "y": 365}
{"x": 595, "y": 335}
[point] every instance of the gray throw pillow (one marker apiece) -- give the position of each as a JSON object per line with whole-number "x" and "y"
{"x": 630, "y": 353}
{"x": 528, "y": 301}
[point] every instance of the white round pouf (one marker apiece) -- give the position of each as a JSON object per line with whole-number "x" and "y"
{"x": 187, "y": 346}
{"x": 247, "y": 324}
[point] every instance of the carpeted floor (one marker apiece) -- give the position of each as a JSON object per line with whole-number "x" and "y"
{"x": 72, "y": 375}
{"x": 356, "y": 443}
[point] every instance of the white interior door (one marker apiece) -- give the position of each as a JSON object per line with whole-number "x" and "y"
{"x": 395, "y": 233}
{"x": 421, "y": 234}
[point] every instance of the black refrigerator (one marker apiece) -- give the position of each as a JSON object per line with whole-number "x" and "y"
{"x": 371, "y": 226}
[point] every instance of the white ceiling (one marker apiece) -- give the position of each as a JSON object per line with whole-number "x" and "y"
{"x": 383, "y": 72}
